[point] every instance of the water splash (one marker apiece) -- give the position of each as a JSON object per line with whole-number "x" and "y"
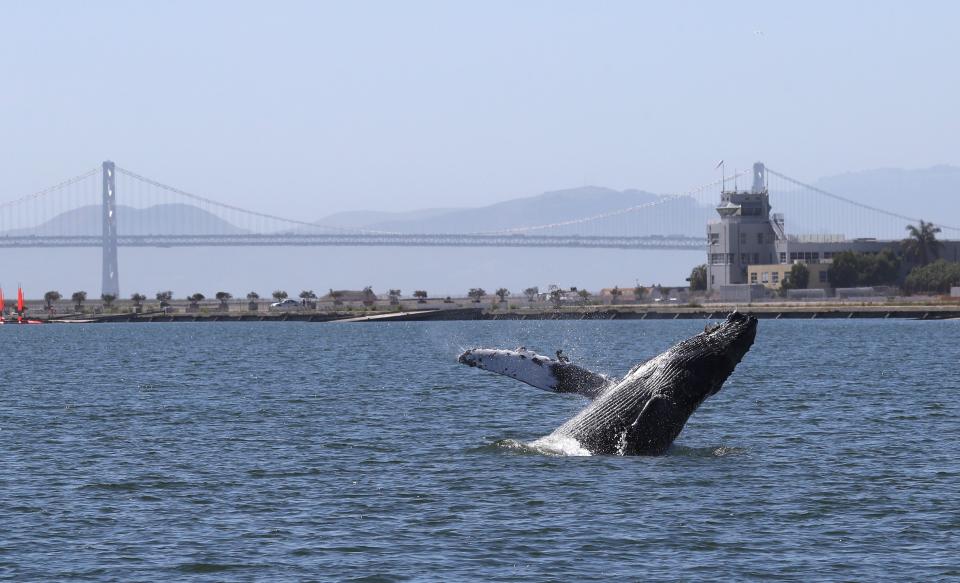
{"x": 562, "y": 445}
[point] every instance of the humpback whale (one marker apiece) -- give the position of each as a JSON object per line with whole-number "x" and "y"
{"x": 642, "y": 413}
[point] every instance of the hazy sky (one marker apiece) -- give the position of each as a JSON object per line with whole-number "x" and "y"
{"x": 310, "y": 108}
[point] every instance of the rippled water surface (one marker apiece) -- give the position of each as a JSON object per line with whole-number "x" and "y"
{"x": 287, "y": 451}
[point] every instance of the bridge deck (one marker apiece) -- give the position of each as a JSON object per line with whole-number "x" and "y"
{"x": 363, "y": 240}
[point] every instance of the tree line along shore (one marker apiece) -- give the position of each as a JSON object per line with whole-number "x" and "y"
{"x": 901, "y": 278}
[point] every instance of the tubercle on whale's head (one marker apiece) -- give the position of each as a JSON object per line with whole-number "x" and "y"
{"x": 734, "y": 336}
{"x": 737, "y": 333}
{"x": 718, "y": 349}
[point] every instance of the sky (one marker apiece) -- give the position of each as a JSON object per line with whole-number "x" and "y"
{"x": 320, "y": 107}
{"x": 304, "y": 109}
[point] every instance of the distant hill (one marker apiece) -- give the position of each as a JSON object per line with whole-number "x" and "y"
{"x": 929, "y": 193}
{"x": 168, "y": 219}
{"x": 363, "y": 219}
{"x": 681, "y": 217}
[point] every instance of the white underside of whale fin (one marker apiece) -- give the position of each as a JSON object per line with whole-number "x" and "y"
{"x": 537, "y": 371}
{"x": 524, "y": 365}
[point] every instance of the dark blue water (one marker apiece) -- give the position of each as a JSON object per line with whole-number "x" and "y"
{"x": 364, "y": 452}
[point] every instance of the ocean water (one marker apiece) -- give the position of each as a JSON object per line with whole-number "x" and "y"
{"x": 364, "y": 452}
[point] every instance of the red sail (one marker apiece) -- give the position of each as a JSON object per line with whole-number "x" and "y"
{"x": 19, "y": 299}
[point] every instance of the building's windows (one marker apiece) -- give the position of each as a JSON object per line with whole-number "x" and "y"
{"x": 721, "y": 258}
{"x": 816, "y": 257}
{"x": 714, "y": 238}
{"x": 828, "y": 255}
{"x": 783, "y": 258}
{"x": 753, "y": 277}
{"x": 823, "y": 276}
{"x": 765, "y": 277}
{"x": 793, "y": 256}
{"x": 744, "y": 258}
{"x": 711, "y": 279}
{"x": 760, "y": 238}
{"x": 775, "y": 277}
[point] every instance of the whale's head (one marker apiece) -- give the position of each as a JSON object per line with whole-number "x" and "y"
{"x": 711, "y": 356}
{"x": 734, "y": 336}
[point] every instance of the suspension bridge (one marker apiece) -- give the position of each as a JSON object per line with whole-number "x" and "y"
{"x": 110, "y": 207}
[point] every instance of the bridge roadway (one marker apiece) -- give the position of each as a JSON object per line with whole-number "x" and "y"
{"x": 364, "y": 240}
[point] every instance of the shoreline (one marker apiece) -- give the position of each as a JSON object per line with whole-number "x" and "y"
{"x": 630, "y": 312}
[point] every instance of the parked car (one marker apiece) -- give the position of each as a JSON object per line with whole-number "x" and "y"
{"x": 286, "y": 304}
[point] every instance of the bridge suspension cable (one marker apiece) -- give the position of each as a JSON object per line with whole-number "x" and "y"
{"x": 42, "y": 193}
{"x": 853, "y": 202}
{"x": 237, "y": 209}
{"x": 664, "y": 199}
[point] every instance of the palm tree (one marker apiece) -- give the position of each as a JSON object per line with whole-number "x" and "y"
{"x": 394, "y": 297}
{"x": 584, "y": 296}
{"x": 502, "y": 293}
{"x": 615, "y": 294}
{"x": 698, "y": 278}
{"x": 922, "y": 245}
{"x": 224, "y": 297}
{"x": 368, "y": 296}
{"x": 476, "y": 294}
{"x": 138, "y": 299}
{"x": 279, "y": 295}
{"x": 531, "y": 293}
{"x": 164, "y": 298}
{"x": 252, "y": 298}
{"x": 421, "y": 295}
{"x": 78, "y": 298}
{"x": 307, "y": 298}
{"x": 639, "y": 292}
{"x": 556, "y": 296}
{"x": 50, "y": 297}
{"x": 195, "y": 300}
{"x": 108, "y": 300}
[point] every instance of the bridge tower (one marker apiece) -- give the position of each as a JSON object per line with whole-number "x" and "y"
{"x": 759, "y": 177}
{"x": 111, "y": 284}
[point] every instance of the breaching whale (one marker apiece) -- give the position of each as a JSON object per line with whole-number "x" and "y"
{"x": 642, "y": 413}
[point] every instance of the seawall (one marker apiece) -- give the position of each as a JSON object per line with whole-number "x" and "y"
{"x": 915, "y": 312}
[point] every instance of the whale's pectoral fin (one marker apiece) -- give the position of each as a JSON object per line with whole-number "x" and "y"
{"x": 655, "y": 428}
{"x": 576, "y": 379}
{"x": 538, "y": 371}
